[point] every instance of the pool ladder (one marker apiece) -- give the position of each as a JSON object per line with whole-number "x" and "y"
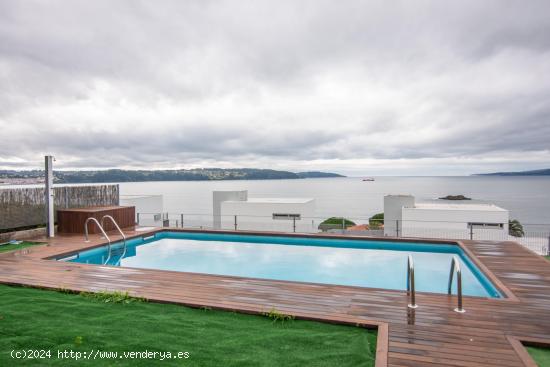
{"x": 411, "y": 293}
{"x": 100, "y": 226}
{"x": 455, "y": 268}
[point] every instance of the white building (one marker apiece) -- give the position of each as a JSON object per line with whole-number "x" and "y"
{"x": 149, "y": 208}
{"x": 281, "y": 214}
{"x": 404, "y": 217}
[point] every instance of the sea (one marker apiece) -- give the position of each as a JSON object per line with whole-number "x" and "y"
{"x": 527, "y": 198}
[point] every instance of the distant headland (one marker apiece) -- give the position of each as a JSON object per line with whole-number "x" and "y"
{"x": 538, "y": 172}
{"x": 196, "y": 174}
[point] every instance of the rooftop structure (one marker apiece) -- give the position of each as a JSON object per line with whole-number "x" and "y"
{"x": 460, "y": 207}
{"x": 406, "y": 218}
{"x": 232, "y": 206}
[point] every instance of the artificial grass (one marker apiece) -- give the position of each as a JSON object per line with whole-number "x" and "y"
{"x": 41, "y": 319}
{"x": 19, "y": 246}
{"x": 540, "y": 355}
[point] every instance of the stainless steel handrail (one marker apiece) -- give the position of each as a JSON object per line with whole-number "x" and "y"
{"x": 119, "y": 231}
{"x": 455, "y": 267}
{"x": 87, "y": 239}
{"x": 410, "y": 283}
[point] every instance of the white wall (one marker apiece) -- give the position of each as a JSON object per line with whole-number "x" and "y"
{"x": 393, "y": 205}
{"x": 259, "y": 215}
{"x": 442, "y": 223}
{"x": 220, "y": 196}
{"x": 432, "y": 221}
{"x": 147, "y": 206}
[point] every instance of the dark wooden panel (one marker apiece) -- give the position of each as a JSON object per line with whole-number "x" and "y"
{"x": 73, "y": 220}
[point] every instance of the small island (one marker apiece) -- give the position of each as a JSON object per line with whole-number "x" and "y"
{"x": 455, "y": 197}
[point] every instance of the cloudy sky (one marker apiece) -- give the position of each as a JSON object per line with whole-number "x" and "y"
{"x": 356, "y": 87}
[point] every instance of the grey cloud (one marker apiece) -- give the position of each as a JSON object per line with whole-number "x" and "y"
{"x": 174, "y": 83}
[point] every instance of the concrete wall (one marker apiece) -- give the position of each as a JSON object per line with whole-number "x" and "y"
{"x": 434, "y": 222}
{"x": 266, "y": 209}
{"x": 21, "y": 207}
{"x": 146, "y": 206}
{"x": 440, "y": 223}
{"x": 259, "y": 215}
{"x": 459, "y": 219}
{"x": 393, "y": 211}
{"x": 24, "y": 235}
{"x": 220, "y": 196}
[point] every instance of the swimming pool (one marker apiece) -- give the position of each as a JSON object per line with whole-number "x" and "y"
{"x": 364, "y": 263}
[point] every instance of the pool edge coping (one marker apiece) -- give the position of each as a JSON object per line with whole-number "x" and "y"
{"x": 497, "y": 283}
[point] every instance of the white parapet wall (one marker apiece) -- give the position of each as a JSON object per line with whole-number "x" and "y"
{"x": 393, "y": 212}
{"x": 218, "y": 197}
{"x": 149, "y": 208}
{"x": 404, "y": 217}
{"x": 281, "y": 214}
{"x": 455, "y": 221}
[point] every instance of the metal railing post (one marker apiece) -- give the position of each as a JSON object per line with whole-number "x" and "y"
{"x": 181, "y": 217}
{"x": 137, "y": 219}
{"x": 343, "y": 225}
{"x": 455, "y": 267}
{"x": 397, "y": 228}
{"x": 411, "y": 291}
{"x": 235, "y": 223}
{"x": 471, "y": 231}
{"x": 294, "y": 224}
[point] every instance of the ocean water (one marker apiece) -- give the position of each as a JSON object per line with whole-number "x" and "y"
{"x": 527, "y": 198}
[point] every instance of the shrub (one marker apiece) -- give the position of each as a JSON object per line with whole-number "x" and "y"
{"x": 376, "y": 221}
{"x": 335, "y": 223}
{"x": 515, "y": 228}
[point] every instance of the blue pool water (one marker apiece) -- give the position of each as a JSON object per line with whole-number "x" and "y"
{"x": 365, "y": 263}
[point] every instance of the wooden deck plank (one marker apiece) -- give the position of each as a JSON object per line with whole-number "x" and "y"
{"x": 432, "y": 335}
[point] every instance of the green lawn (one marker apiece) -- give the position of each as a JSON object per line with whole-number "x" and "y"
{"x": 540, "y": 355}
{"x": 40, "y": 319}
{"x": 10, "y": 247}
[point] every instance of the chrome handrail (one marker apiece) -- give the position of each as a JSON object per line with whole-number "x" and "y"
{"x": 119, "y": 231}
{"x": 455, "y": 267}
{"x": 87, "y": 239}
{"x": 410, "y": 283}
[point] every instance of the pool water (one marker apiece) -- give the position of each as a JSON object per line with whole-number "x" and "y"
{"x": 364, "y": 263}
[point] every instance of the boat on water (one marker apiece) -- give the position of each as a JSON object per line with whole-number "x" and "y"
{"x": 368, "y": 179}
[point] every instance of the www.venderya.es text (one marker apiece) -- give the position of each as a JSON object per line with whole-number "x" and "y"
{"x": 96, "y": 354}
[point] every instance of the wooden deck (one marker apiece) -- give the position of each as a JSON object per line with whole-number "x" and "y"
{"x": 432, "y": 335}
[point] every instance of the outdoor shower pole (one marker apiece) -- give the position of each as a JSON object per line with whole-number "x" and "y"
{"x": 48, "y": 193}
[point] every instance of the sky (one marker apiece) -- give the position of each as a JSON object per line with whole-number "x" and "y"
{"x": 354, "y": 87}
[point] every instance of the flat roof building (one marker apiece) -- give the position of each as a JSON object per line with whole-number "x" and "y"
{"x": 404, "y": 217}
{"x": 290, "y": 214}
